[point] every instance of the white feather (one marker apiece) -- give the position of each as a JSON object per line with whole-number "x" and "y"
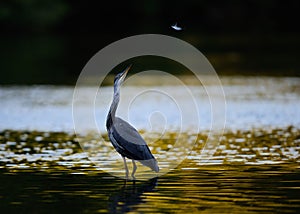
{"x": 176, "y": 27}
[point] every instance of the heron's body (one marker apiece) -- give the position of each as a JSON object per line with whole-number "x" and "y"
{"x": 125, "y": 138}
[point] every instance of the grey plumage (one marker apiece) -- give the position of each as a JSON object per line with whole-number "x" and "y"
{"x": 125, "y": 138}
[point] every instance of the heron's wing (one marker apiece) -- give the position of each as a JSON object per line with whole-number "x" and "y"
{"x": 127, "y": 132}
{"x": 130, "y": 142}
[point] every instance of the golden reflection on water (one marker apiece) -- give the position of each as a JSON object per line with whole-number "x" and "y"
{"x": 250, "y": 171}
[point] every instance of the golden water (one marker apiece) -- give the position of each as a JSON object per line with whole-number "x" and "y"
{"x": 250, "y": 171}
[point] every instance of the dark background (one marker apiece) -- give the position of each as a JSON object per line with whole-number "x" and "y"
{"x": 50, "y": 41}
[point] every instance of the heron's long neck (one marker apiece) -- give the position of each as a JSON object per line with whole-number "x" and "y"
{"x": 114, "y": 105}
{"x": 113, "y": 108}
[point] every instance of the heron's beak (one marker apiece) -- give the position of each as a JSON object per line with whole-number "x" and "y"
{"x": 125, "y": 72}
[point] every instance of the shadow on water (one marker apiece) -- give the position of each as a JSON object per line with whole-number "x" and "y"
{"x": 38, "y": 192}
{"x": 213, "y": 189}
{"x": 129, "y": 194}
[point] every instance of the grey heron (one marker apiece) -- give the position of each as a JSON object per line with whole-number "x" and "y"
{"x": 125, "y": 138}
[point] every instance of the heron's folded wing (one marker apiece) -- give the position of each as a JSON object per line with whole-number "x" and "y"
{"x": 130, "y": 140}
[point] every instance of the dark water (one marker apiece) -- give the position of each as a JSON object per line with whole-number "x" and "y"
{"x": 213, "y": 189}
{"x": 250, "y": 172}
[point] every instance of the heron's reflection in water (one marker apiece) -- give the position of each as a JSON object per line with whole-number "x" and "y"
{"x": 129, "y": 195}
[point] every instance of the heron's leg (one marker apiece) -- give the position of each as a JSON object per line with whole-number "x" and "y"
{"x": 126, "y": 168}
{"x": 134, "y": 169}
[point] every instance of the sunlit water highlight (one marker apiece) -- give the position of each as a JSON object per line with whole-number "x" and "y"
{"x": 251, "y": 102}
{"x": 250, "y": 171}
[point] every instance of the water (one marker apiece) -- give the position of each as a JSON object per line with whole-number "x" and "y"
{"x": 221, "y": 189}
{"x": 251, "y": 102}
{"x": 253, "y": 167}
{"x": 250, "y": 172}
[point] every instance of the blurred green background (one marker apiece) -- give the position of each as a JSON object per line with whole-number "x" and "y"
{"x": 50, "y": 41}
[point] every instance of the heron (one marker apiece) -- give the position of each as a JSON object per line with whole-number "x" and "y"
{"x": 124, "y": 137}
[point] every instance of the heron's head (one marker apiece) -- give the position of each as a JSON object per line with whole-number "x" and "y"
{"x": 120, "y": 77}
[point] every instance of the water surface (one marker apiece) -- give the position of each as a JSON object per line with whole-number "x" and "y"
{"x": 251, "y": 171}
{"x": 251, "y": 102}
{"x": 252, "y": 167}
